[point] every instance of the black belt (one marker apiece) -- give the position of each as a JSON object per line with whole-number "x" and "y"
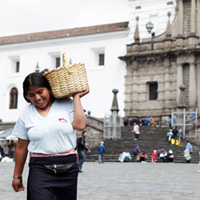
{"x": 56, "y": 168}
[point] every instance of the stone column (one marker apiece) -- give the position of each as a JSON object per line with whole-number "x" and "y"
{"x": 179, "y": 81}
{"x": 192, "y": 86}
{"x": 192, "y": 17}
{"x": 180, "y": 18}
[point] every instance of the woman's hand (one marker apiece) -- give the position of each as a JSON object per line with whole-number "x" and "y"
{"x": 81, "y": 94}
{"x": 17, "y": 185}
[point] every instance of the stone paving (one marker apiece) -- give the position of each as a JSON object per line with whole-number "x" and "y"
{"x": 126, "y": 181}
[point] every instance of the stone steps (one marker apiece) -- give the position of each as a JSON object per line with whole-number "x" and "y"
{"x": 150, "y": 138}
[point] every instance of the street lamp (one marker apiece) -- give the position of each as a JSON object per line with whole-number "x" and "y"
{"x": 149, "y": 26}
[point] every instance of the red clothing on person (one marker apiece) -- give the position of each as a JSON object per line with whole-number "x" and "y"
{"x": 154, "y": 155}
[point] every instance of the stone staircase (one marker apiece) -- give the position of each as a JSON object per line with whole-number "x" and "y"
{"x": 150, "y": 138}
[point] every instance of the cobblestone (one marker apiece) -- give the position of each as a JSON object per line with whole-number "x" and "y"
{"x": 126, "y": 181}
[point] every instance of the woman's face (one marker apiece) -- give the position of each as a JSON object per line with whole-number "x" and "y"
{"x": 39, "y": 96}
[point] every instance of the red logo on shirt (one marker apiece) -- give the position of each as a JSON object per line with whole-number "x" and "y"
{"x": 62, "y": 120}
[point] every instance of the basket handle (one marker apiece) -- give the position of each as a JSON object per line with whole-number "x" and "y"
{"x": 66, "y": 63}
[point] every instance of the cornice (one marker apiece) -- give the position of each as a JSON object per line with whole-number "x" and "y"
{"x": 69, "y": 40}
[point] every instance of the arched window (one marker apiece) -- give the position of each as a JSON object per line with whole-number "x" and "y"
{"x": 13, "y": 98}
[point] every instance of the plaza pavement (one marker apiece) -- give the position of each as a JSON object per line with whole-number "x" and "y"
{"x": 126, "y": 181}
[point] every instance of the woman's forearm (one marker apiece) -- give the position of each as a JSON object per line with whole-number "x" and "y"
{"x": 20, "y": 158}
{"x": 79, "y": 121}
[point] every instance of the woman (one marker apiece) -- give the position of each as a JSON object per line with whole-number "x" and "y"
{"x": 46, "y": 128}
{"x": 143, "y": 156}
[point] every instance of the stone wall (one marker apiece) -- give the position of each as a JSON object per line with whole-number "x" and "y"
{"x": 94, "y": 130}
{"x": 4, "y": 126}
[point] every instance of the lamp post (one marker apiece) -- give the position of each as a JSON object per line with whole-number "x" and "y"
{"x": 149, "y": 27}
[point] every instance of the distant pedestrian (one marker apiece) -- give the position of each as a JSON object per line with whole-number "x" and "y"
{"x": 154, "y": 155}
{"x": 146, "y": 122}
{"x": 101, "y": 150}
{"x": 175, "y": 133}
{"x": 188, "y": 151}
{"x": 170, "y": 156}
{"x": 179, "y": 134}
{"x": 169, "y": 134}
{"x": 143, "y": 157}
{"x": 126, "y": 121}
{"x": 81, "y": 146}
{"x": 136, "y": 151}
{"x": 194, "y": 113}
{"x": 152, "y": 121}
{"x": 136, "y": 130}
{"x": 172, "y": 121}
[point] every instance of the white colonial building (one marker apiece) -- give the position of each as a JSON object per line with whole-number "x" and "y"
{"x": 99, "y": 47}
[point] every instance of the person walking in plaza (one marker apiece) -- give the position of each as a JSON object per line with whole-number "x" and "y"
{"x": 136, "y": 130}
{"x": 136, "y": 151}
{"x": 101, "y": 150}
{"x": 47, "y": 129}
{"x": 81, "y": 146}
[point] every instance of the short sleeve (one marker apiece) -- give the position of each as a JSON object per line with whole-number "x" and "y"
{"x": 71, "y": 109}
{"x": 19, "y": 130}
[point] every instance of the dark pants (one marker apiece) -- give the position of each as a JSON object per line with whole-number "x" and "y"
{"x": 126, "y": 159}
{"x": 137, "y": 136}
{"x": 135, "y": 157}
{"x": 45, "y": 184}
{"x": 82, "y": 159}
{"x": 142, "y": 159}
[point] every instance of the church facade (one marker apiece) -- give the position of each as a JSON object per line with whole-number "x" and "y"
{"x": 158, "y": 66}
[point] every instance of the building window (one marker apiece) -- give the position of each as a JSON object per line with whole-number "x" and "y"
{"x": 98, "y": 58}
{"x": 13, "y": 98}
{"x": 17, "y": 66}
{"x": 57, "y": 62}
{"x": 101, "y": 59}
{"x": 153, "y": 94}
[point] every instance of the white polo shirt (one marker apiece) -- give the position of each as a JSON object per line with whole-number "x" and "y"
{"x": 51, "y": 134}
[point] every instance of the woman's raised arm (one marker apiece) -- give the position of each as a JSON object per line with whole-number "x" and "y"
{"x": 79, "y": 122}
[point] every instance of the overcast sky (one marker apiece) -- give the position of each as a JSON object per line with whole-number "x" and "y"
{"x": 28, "y": 16}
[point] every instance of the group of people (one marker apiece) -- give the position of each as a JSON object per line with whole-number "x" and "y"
{"x": 139, "y": 156}
{"x": 148, "y": 121}
{"x": 7, "y": 149}
{"x": 159, "y": 155}
{"x": 131, "y": 121}
{"x": 163, "y": 155}
{"x": 174, "y": 135}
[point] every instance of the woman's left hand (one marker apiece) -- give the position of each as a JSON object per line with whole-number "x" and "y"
{"x": 81, "y": 94}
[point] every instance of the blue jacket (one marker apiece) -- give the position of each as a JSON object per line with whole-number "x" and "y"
{"x": 136, "y": 150}
{"x": 101, "y": 149}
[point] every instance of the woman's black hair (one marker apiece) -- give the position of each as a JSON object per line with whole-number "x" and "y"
{"x": 34, "y": 79}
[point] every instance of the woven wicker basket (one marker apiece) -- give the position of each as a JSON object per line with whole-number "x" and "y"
{"x": 67, "y": 80}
